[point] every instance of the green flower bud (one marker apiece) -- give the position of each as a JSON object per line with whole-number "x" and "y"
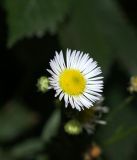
{"x": 73, "y": 127}
{"x": 43, "y": 84}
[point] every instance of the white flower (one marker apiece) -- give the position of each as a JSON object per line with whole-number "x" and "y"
{"x": 75, "y": 79}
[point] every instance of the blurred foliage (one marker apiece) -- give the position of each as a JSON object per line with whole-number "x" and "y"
{"x": 14, "y": 119}
{"x": 52, "y": 126}
{"x": 100, "y": 28}
{"x": 34, "y": 17}
{"x": 4, "y": 156}
{"x": 105, "y": 32}
{"x": 118, "y": 138}
{"x": 29, "y": 147}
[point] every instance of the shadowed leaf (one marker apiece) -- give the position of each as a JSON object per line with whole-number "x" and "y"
{"x": 52, "y": 125}
{"x": 14, "y": 119}
{"x": 118, "y": 137}
{"x": 34, "y": 17}
{"x": 27, "y": 148}
{"x": 100, "y": 28}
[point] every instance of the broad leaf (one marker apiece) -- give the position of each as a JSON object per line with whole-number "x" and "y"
{"x": 118, "y": 137}
{"x": 33, "y": 17}
{"x": 14, "y": 120}
{"x": 27, "y": 148}
{"x": 98, "y": 27}
{"x": 52, "y": 125}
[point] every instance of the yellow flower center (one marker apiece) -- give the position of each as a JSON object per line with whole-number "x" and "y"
{"x": 72, "y": 82}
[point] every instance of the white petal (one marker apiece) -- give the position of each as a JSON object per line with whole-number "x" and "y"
{"x": 95, "y": 88}
{"x": 86, "y": 103}
{"x": 79, "y": 60}
{"x": 57, "y": 92}
{"x": 77, "y": 106}
{"x": 52, "y": 73}
{"x": 93, "y": 92}
{"x": 55, "y": 67}
{"x": 76, "y": 59}
{"x": 94, "y": 82}
{"x": 91, "y": 97}
{"x": 61, "y": 61}
{"x": 68, "y": 58}
{"x": 72, "y": 58}
{"x": 97, "y": 78}
{"x": 94, "y": 73}
{"x": 71, "y": 102}
{"x": 89, "y": 66}
{"x": 66, "y": 100}
{"x": 83, "y": 61}
{"x": 61, "y": 96}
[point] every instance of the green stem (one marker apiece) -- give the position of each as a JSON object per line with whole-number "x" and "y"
{"x": 119, "y": 108}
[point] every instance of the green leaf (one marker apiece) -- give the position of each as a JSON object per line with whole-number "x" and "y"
{"x": 42, "y": 157}
{"x": 34, "y": 17}
{"x": 29, "y": 147}
{"x": 4, "y": 155}
{"x": 14, "y": 119}
{"x": 100, "y": 28}
{"x": 118, "y": 137}
{"x": 51, "y": 127}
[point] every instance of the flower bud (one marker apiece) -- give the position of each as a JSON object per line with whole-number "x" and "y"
{"x": 133, "y": 84}
{"x": 43, "y": 84}
{"x": 73, "y": 127}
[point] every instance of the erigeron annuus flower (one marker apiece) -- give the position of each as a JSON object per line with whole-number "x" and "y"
{"x": 76, "y": 79}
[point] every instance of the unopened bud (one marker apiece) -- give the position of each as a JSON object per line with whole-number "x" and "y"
{"x": 43, "y": 84}
{"x": 73, "y": 127}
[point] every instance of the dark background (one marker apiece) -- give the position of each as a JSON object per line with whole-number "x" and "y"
{"x": 107, "y": 30}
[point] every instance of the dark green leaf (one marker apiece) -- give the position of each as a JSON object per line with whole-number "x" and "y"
{"x": 34, "y": 17}
{"x": 14, "y": 119}
{"x": 4, "y": 155}
{"x": 118, "y": 137}
{"x": 98, "y": 27}
{"x": 42, "y": 157}
{"x": 29, "y": 147}
{"x": 51, "y": 127}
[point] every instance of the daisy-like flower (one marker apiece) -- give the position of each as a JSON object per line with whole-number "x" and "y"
{"x": 76, "y": 79}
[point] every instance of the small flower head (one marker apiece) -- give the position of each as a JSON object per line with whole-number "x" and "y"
{"x": 76, "y": 79}
{"x": 43, "y": 84}
{"x": 89, "y": 118}
{"x": 73, "y": 127}
{"x": 133, "y": 84}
